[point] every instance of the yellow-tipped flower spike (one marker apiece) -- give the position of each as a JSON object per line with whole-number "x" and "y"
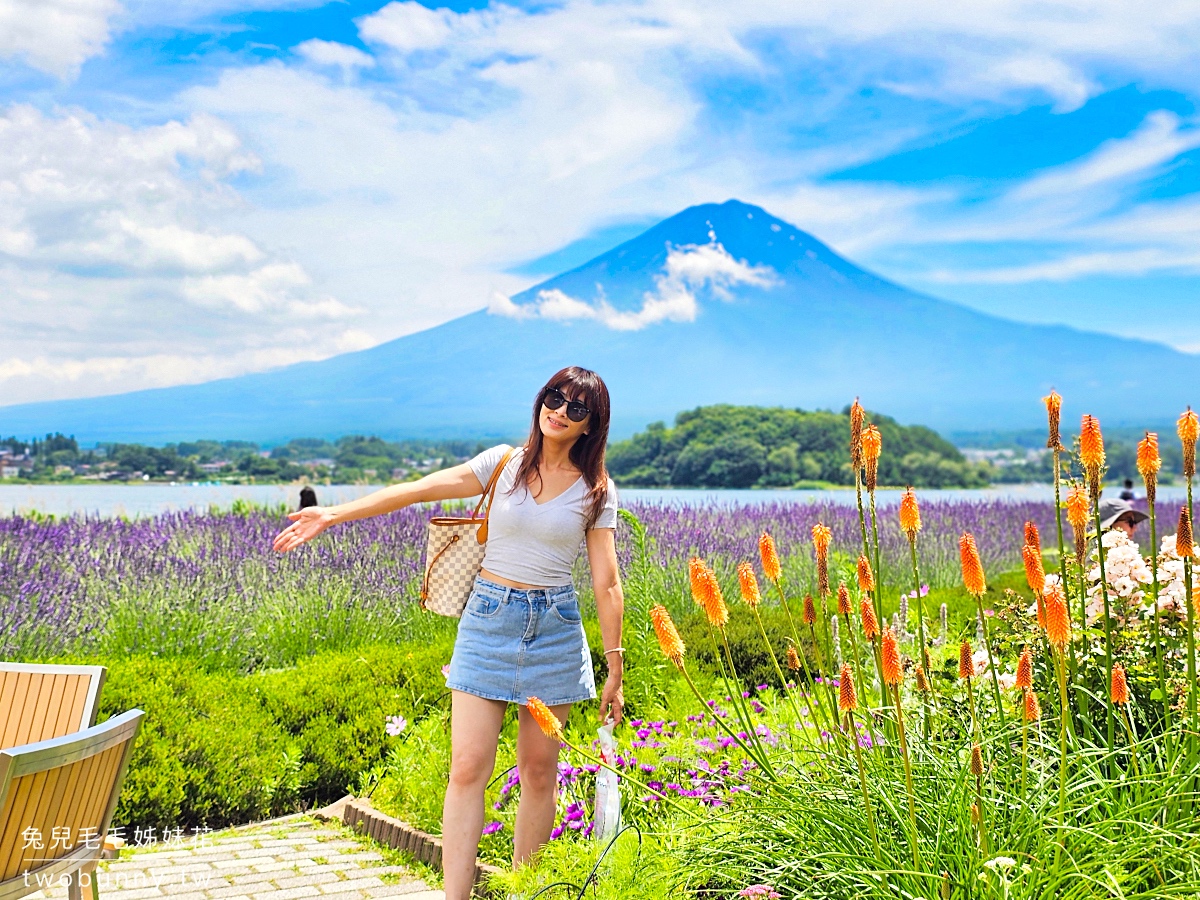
{"x": 1054, "y": 415}
{"x": 856, "y": 424}
{"x": 821, "y": 536}
{"x": 847, "y": 695}
{"x": 809, "y": 615}
{"x": 866, "y": 578}
{"x": 922, "y": 680}
{"x": 910, "y": 514}
{"x": 1119, "y": 690}
{"x": 1058, "y": 619}
{"x": 1188, "y": 428}
{"x": 872, "y": 447}
{"x": 749, "y": 585}
{"x": 1148, "y": 463}
{"x": 972, "y": 566}
{"x": 696, "y": 569}
{"x": 1033, "y": 710}
{"x": 1032, "y": 537}
{"x": 869, "y": 621}
{"x": 793, "y": 659}
{"x": 893, "y": 671}
{"x": 1035, "y": 575}
{"x": 843, "y": 600}
{"x": 966, "y": 665}
{"x": 711, "y": 599}
{"x": 1184, "y": 545}
{"x": 545, "y": 718}
{"x": 1024, "y": 670}
{"x": 1091, "y": 452}
{"x": 668, "y": 635}
{"x": 1077, "y": 508}
{"x": 976, "y": 760}
{"x": 769, "y": 557}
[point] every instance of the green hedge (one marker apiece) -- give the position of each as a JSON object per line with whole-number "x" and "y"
{"x": 222, "y": 748}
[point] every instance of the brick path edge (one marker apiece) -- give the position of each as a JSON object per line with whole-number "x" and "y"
{"x": 359, "y": 814}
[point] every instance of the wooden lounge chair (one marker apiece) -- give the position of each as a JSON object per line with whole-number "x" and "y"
{"x": 69, "y": 782}
{"x": 39, "y": 702}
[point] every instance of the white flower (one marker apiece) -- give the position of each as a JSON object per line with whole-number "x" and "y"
{"x": 1007, "y": 681}
{"x": 979, "y": 659}
{"x": 1003, "y": 862}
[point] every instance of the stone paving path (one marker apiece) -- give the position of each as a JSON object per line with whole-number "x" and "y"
{"x": 290, "y": 858}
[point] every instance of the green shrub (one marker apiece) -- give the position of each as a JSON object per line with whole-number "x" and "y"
{"x": 334, "y": 706}
{"x": 750, "y": 656}
{"x": 207, "y": 752}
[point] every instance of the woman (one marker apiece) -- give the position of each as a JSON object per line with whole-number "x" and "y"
{"x": 521, "y": 631}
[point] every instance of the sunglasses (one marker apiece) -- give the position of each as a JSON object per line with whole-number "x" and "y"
{"x": 553, "y": 399}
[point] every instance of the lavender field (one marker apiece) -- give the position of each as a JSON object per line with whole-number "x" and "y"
{"x": 207, "y": 585}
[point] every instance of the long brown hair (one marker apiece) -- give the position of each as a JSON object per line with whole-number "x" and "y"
{"x": 587, "y": 453}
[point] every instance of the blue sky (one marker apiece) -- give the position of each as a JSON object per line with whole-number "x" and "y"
{"x": 200, "y": 188}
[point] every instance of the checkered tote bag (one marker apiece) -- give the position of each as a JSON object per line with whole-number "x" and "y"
{"x": 454, "y": 553}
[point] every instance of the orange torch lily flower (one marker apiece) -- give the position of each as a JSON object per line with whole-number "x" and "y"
{"x": 869, "y": 621}
{"x": 667, "y": 634}
{"x": 843, "y": 600}
{"x": 749, "y": 585}
{"x": 545, "y": 718}
{"x": 1091, "y": 452}
{"x": 1035, "y": 574}
{"x": 1033, "y": 710}
{"x": 1148, "y": 463}
{"x": 893, "y": 671}
{"x": 1058, "y": 619}
{"x": 966, "y": 665}
{"x": 872, "y": 447}
{"x": 1054, "y": 414}
{"x": 769, "y": 557}
{"x": 809, "y": 615}
{"x": 1188, "y": 428}
{"x": 910, "y": 514}
{"x": 866, "y": 578}
{"x": 1120, "y": 686}
{"x": 847, "y": 695}
{"x": 1024, "y": 670}
{"x": 972, "y": 566}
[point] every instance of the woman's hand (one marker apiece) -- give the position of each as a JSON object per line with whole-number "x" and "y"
{"x": 612, "y": 700}
{"x": 306, "y": 525}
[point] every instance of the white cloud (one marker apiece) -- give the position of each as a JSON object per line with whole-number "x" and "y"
{"x": 687, "y": 271}
{"x": 56, "y": 36}
{"x": 331, "y": 53}
{"x": 410, "y": 26}
{"x": 117, "y": 256}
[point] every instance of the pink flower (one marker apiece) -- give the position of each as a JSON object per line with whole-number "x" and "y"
{"x": 759, "y": 890}
{"x": 396, "y": 724}
{"x": 446, "y": 670}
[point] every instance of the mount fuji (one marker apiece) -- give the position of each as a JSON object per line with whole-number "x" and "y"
{"x": 721, "y": 303}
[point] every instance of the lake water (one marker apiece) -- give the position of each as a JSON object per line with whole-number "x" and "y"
{"x": 134, "y": 500}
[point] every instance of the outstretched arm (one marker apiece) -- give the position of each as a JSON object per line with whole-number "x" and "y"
{"x": 454, "y": 483}
{"x": 610, "y": 608}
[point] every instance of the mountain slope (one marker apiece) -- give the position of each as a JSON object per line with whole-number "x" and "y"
{"x": 718, "y": 304}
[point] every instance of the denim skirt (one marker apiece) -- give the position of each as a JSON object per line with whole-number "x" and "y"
{"x": 515, "y": 644}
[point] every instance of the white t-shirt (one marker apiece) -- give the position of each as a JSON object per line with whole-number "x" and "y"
{"x": 531, "y": 542}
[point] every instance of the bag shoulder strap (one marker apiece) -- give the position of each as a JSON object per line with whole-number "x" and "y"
{"x": 489, "y": 493}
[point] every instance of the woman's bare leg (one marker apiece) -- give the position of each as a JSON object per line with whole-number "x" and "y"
{"x": 474, "y": 733}
{"x": 537, "y": 763}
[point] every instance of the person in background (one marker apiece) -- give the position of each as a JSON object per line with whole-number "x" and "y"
{"x": 1117, "y": 513}
{"x": 1127, "y": 492}
{"x": 308, "y": 497}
